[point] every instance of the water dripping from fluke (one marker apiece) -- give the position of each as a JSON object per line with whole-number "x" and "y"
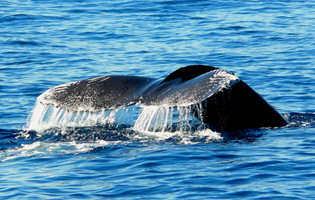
{"x": 159, "y": 123}
{"x": 138, "y": 117}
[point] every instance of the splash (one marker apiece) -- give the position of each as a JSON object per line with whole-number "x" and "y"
{"x": 62, "y": 132}
{"x": 47, "y": 148}
{"x": 84, "y": 132}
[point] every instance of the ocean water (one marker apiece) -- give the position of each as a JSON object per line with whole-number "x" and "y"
{"x": 268, "y": 44}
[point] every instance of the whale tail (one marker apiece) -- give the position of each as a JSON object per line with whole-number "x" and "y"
{"x": 219, "y": 98}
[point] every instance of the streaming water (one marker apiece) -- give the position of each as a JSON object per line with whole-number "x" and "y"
{"x": 139, "y": 118}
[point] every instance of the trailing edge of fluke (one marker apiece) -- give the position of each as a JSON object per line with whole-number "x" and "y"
{"x": 218, "y": 98}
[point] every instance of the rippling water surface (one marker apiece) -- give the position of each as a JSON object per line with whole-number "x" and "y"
{"x": 268, "y": 44}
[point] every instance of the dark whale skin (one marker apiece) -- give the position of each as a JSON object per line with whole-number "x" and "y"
{"x": 238, "y": 108}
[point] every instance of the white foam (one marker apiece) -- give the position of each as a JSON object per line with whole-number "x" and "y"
{"x": 182, "y": 137}
{"x": 59, "y": 148}
{"x": 40, "y": 148}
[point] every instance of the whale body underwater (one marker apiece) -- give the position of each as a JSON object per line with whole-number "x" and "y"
{"x": 218, "y": 98}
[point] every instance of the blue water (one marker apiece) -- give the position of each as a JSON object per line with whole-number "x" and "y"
{"x": 268, "y": 44}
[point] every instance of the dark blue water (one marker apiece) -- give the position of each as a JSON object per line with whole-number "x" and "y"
{"x": 268, "y": 44}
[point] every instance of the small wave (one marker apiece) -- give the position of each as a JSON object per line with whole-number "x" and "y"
{"x": 23, "y": 43}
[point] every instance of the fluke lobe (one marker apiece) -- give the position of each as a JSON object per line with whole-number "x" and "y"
{"x": 218, "y": 98}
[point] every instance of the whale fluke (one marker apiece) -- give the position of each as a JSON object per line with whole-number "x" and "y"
{"x": 219, "y": 98}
